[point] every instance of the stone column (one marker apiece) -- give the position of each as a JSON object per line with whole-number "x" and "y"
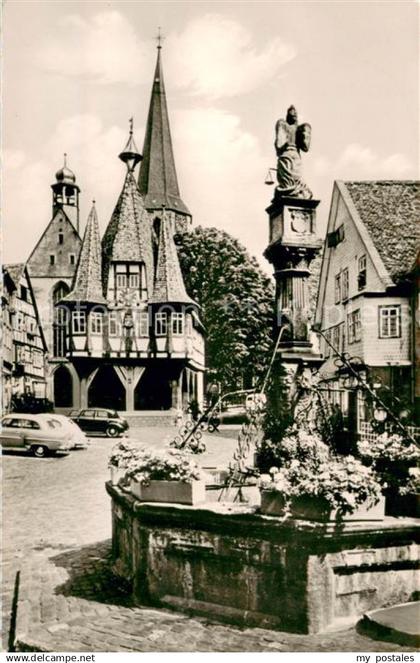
{"x": 200, "y": 388}
{"x": 83, "y": 393}
{"x": 85, "y": 383}
{"x": 176, "y": 394}
{"x": 129, "y": 391}
{"x": 129, "y": 376}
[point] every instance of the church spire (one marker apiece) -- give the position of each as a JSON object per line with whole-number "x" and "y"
{"x": 158, "y": 182}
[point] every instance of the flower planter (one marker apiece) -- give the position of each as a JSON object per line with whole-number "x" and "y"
{"x": 272, "y": 503}
{"x": 309, "y": 507}
{"x": 179, "y": 492}
{"x": 407, "y": 506}
{"x": 233, "y": 493}
{"x": 117, "y": 473}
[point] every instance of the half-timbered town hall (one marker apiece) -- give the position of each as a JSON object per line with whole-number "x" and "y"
{"x": 122, "y": 331}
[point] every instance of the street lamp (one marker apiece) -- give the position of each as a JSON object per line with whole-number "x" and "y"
{"x": 379, "y": 414}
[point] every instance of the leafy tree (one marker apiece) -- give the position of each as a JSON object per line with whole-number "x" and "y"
{"x": 237, "y": 301}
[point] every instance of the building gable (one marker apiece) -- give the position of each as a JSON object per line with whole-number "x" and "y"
{"x": 350, "y": 241}
{"x": 56, "y": 253}
{"x": 390, "y": 212}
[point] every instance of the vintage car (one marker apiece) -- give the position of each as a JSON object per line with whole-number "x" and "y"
{"x": 34, "y": 433}
{"x": 77, "y": 438}
{"x": 93, "y": 420}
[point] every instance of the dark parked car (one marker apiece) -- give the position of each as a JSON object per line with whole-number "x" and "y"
{"x": 99, "y": 421}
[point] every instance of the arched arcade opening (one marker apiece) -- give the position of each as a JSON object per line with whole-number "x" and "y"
{"x": 106, "y": 390}
{"x": 154, "y": 391}
{"x": 63, "y": 387}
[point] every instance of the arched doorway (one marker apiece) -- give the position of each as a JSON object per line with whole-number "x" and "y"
{"x": 63, "y": 387}
{"x": 106, "y": 390}
{"x": 154, "y": 391}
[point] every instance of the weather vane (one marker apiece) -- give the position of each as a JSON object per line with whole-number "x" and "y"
{"x": 131, "y": 124}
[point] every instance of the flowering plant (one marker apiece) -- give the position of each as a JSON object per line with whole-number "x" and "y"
{"x": 121, "y": 454}
{"x": 390, "y": 446}
{"x": 309, "y": 468}
{"x": 307, "y": 448}
{"x": 393, "y": 457}
{"x": 160, "y": 465}
{"x": 413, "y": 482}
{"x": 276, "y": 480}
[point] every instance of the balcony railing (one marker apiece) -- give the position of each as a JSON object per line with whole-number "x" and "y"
{"x": 368, "y": 434}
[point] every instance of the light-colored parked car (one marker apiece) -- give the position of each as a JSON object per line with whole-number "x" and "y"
{"x": 34, "y": 433}
{"x": 77, "y": 438}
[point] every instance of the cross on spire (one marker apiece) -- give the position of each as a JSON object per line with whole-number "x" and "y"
{"x": 160, "y": 38}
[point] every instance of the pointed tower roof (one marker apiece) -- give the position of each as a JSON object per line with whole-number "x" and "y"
{"x": 128, "y": 237}
{"x": 169, "y": 282}
{"x": 158, "y": 182}
{"x": 87, "y": 284}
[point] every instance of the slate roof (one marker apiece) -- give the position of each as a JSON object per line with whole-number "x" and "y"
{"x": 390, "y": 210}
{"x": 87, "y": 283}
{"x": 128, "y": 237}
{"x": 158, "y": 182}
{"x": 169, "y": 282}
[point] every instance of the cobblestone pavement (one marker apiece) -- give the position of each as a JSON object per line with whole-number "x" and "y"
{"x": 56, "y": 534}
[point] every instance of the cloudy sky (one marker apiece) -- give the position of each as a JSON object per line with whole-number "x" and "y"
{"x": 74, "y": 72}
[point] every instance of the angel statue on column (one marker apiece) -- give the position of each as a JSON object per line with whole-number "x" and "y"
{"x": 291, "y": 140}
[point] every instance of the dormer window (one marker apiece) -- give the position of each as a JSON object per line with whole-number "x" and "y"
{"x": 121, "y": 280}
{"x": 131, "y": 276}
{"x": 134, "y": 281}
